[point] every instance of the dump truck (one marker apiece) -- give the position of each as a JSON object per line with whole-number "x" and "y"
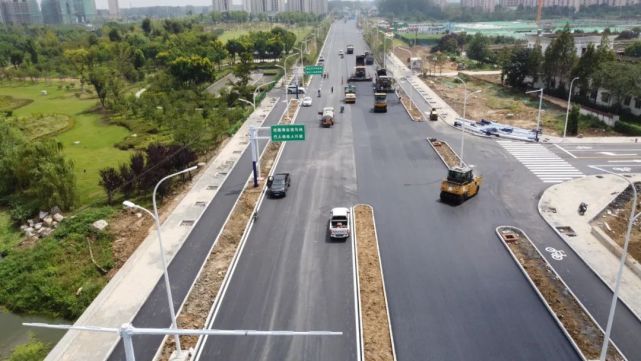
{"x": 380, "y": 102}
{"x": 460, "y": 185}
{"x": 350, "y": 94}
{"x": 327, "y": 117}
{"x": 369, "y": 58}
{"x": 383, "y": 82}
{"x": 350, "y": 49}
{"x": 360, "y": 71}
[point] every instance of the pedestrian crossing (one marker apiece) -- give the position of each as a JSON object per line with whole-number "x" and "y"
{"x": 545, "y": 164}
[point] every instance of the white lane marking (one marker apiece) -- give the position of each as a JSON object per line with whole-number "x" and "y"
{"x": 556, "y": 254}
{"x": 625, "y": 161}
{"x": 546, "y": 165}
{"x": 612, "y": 154}
{"x": 565, "y": 150}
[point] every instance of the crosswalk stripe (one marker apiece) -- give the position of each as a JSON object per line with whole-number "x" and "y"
{"x": 543, "y": 163}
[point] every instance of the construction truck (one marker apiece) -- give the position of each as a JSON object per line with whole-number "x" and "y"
{"x": 383, "y": 82}
{"x": 350, "y": 94}
{"x": 327, "y": 117}
{"x": 380, "y": 102}
{"x": 360, "y": 71}
{"x": 369, "y": 58}
{"x": 350, "y": 49}
{"x": 460, "y": 185}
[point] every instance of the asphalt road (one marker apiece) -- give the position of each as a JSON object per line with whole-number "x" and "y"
{"x": 289, "y": 276}
{"x": 187, "y": 262}
{"x": 510, "y": 194}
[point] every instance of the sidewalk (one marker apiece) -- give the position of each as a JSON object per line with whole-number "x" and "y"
{"x": 558, "y": 207}
{"x": 128, "y": 290}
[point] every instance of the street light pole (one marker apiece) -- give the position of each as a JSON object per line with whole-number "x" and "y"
{"x": 464, "y": 119}
{"x": 538, "y": 116}
{"x": 567, "y": 112}
{"x": 248, "y": 102}
{"x": 156, "y": 219}
{"x": 255, "y": 90}
{"x": 624, "y": 255}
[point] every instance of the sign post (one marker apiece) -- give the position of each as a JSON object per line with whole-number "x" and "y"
{"x": 313, "y": 70}
{"x": 287, "y": 132}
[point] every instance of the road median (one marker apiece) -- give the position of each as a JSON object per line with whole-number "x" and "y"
{"x": 378, "y": 343}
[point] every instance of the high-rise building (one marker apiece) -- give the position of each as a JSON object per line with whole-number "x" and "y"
{"x": 18, "y": 12}
{"x": 266, "y": 6}
{"x": 576, "y": 4}
{"x": 482, "y": 5}
{"x": 84, "y": 11}
{"x": 308, "y": 6}
{"x": 57, "y": 11}
{"x": 221, "y": 5}
{"x": 114, "y": 9}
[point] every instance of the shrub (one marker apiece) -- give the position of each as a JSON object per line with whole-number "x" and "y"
{"x": 627, "y": 128}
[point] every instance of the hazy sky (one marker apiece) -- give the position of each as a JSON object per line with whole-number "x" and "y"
{"x": 102, "y": 4}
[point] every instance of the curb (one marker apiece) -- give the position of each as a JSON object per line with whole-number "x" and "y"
{"x": 360, "y": 352}
{"x": 380, "y": 265}
{"x": 560, "y": 235}
{"x": 545, "y": 302}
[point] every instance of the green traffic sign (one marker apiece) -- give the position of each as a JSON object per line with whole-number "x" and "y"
{"x": 287, "y": 132}
{"x": 313, "y": 70}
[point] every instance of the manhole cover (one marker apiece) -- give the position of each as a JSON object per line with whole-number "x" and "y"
{"x": 187, "y": 222}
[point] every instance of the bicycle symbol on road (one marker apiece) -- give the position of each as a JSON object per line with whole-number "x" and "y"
{"x": 557, "y": 254}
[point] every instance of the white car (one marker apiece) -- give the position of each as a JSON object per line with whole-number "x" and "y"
{"x": 307, "y": 102}
{"x": 339, "y": 223}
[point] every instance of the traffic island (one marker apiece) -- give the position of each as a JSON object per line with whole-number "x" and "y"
{"x": 376, "y": 330}
{"x": 410, "y": 107}
{"x": 445, "y": 152}
{"x": 576, "y": 322}
{"x": 205, "y": 292}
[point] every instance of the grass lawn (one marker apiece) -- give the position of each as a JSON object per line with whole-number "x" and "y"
{"x": 235, "y": 31}
{"x": 96, "y": 148}
{"x": 9, "y": 236}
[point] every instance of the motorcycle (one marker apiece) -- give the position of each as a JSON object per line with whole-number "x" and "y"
{"x": 582, "y": 208}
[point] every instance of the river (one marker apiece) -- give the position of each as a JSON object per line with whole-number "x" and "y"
{"x": 12, "y": 333}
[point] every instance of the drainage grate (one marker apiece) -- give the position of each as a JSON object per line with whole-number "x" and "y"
{"x": 211, "y": 188}
{"x": 223, "y": 173}
{"x": 187, "y": 222}
{"x": 200, "y": 204}
{"x": 237, "y": 151}
{"x": 568, "y": 231}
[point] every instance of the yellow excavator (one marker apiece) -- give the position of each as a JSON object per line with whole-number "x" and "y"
{"x": 460, "y": 185}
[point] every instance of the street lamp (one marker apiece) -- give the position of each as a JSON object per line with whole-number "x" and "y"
{"x": 624, "y": 255}
{"x": 284, "y": 67}
{"x": 248, "y": 102}
{"x": 156, "y": 218}
{"x": 464, "y": 119}
{"x": 567, "y": 112}
{"x": 538, "y": 116}
{"x": 255, "y": 90}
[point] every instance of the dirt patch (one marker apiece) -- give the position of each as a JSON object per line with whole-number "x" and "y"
{"x": 614, "y": 221}
{"x": 574, "y": 318}
{"x": 376, "y": 329}
{"x": 425, "y": 52}
{"x": 448, "y": 155}
{"x": 497, "y": 103}
{"x": 205, "y": 291}
{"x": 130, "y": 228}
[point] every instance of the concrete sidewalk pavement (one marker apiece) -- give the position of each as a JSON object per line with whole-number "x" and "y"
{"x": 559, "y": 208}
{"x": 127, "y": 291}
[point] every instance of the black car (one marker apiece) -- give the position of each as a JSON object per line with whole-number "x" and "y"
{"x": 277, "y": 185}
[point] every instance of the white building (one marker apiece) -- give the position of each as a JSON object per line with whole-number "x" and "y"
{"x": 308, "y": 6}
{"x": 221, "y": 5}
{"x": 114, "y": 9}
{"x": 266, "y": 6}
{"x": 581, "y": 41}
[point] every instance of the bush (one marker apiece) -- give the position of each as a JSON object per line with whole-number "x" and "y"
{"x": 34, "y": 350}
{"x": 627, "y": 128}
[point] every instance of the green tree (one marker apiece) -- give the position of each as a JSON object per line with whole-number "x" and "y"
{"x": 585, "y": 68}
{"x": 604, "y": 52}
{"x": 32, "y": 351}
{"x": 620, "y": 78}
{"x": 559, "y": 58}
{"x": 217, "y": 52}
{"x": 234, "y": 47}
{"x": 114, "y": 35}
{"x": 535, "y": 63}
{"x": 192, "y": 70}
{"x": 478, "y": 48}
{"x": 110, "y": 181}
{"x": 16, "y": 58}
{"x": 634, "y": 50}
{"x": 99, "y": 78}
{"x": 573, "y": 120}
{"x": 138, "y": 59}
{"x": 146, "y": 26}
{"x": 517, "y": 69}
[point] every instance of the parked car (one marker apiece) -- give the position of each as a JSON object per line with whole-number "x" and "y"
{"x": 307, "y": 102}
{"x": 292, "y": 90}
{"x": 277, "y": 185}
